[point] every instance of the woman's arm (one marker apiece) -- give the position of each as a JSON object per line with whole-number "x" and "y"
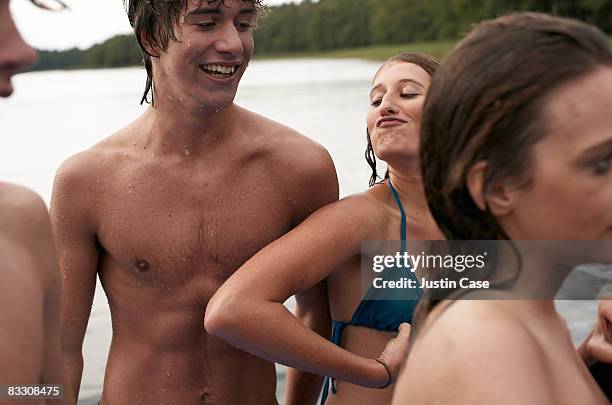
{"x": 248, "y": 312}
{"x": 312, "y": 309}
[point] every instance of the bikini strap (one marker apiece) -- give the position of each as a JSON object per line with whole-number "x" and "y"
{"x": 401, "y": 208}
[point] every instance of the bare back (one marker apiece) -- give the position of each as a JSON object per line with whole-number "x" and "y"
{"x": 164, "y": 231}
{"x": 29, "y": 294}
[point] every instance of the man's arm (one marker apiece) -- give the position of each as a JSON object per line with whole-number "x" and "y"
{"x": 72, "y": 218}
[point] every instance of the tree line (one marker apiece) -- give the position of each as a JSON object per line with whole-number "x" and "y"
{"x": 339, "y": 24}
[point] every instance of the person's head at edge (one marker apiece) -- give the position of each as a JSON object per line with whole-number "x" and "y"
{"x": 15, "y": 53}
{"x": 515, "y": 137}
{"x": 396, "y": 99}
{"x": 194, "y": 49}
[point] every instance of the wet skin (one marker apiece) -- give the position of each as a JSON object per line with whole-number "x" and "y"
{"x": 166, "y": 209}
{"x": 163, "y": 233}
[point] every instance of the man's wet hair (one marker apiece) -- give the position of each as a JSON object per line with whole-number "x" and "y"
{"x": 155, "y": 21}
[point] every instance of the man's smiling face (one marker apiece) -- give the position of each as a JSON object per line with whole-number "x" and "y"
{"x": 214, "y": 47}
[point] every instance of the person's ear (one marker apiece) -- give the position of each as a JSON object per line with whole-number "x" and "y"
{"x": 497, "y": 198}
{"x": 148, "y": 45}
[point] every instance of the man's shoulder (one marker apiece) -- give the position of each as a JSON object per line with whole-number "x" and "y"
{"x": 92, "y": 163}
{"x": 287, "y": 147}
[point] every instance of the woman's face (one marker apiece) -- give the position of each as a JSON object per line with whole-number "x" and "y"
{"x": 570, "y": 195}
{"x": 394, "y": 116}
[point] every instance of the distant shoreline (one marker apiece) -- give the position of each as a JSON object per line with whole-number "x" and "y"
{"x": 373, "y": 53}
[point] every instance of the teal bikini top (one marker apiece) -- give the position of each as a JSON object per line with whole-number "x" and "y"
{"x": 373, "y": 311}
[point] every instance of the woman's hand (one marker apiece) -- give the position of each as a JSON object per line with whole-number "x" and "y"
{"x": 598, "y": 344}
{"x": 395, "y": 352}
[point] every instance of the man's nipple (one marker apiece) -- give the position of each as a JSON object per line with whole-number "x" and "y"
{"x": 142, "y": 265}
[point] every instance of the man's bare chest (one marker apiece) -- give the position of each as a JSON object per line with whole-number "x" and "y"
{"x": 173, "y": 232}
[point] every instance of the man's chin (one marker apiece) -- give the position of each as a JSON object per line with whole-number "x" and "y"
{"x": 216, "y": 107}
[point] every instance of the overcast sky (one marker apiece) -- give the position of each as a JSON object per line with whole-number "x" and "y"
{"x": 86, "y": 23}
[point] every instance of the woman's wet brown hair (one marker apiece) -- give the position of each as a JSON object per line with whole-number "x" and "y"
{"x": 486, "y": 104}
{"x": 426, "y": 62}
{"x": 156, "y": 20}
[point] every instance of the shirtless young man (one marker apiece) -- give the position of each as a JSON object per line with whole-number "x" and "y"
{"x": 167, "y": 208}
{"x": 30, "y": 350}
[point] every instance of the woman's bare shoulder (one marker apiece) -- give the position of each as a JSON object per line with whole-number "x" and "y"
{"x": 475, "y": 352}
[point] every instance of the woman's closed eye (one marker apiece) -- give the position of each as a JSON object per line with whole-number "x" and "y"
{"x": 409, "y": 96}
{"x": 602, "y": 166}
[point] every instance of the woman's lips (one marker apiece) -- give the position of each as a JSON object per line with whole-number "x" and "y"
{"x": 389, "y": 122}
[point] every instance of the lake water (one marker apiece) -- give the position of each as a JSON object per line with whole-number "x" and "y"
{"x": 56, "y": 114}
